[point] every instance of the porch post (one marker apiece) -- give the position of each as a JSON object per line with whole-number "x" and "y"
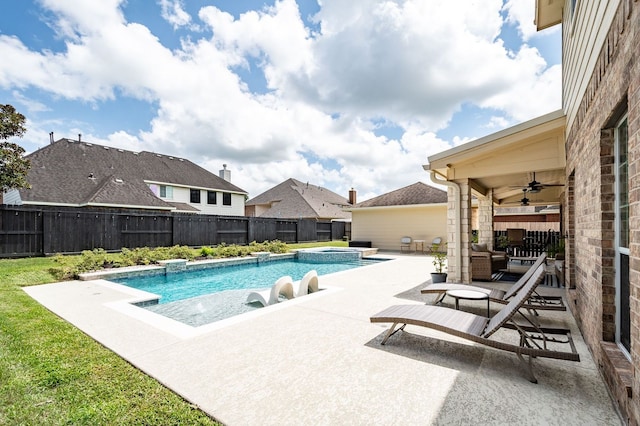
{"x": 485, "y": 219}
{"x": 465, "y": 230}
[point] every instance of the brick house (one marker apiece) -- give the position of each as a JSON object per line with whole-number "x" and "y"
{"x": 586, "y": 158}
{"x": 75, "y": 173}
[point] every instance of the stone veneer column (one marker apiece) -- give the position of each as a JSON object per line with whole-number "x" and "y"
{"x": 485, "y": 219}
{"x": 465, "y": 230}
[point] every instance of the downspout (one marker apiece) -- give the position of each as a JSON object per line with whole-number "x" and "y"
{"x": 458, "y": 234}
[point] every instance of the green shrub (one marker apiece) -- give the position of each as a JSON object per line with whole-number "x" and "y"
{"x": 70, "y": 267}
{"x": 207, "y": 251}
{"x": 275, "y": 246}
{"x": 181, "y": 252}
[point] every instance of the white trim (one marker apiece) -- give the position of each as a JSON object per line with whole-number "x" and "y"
{"x": 37, "y": 203}
{"x": 409, "y": 206}
{"x": 180, "y": 185}
{"x": 126, "y": 206}
{"x": 618, "y": 249}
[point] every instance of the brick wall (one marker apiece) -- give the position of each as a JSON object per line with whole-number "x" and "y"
{"x": 590, "y": 207}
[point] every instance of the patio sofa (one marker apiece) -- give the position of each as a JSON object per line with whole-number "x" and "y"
{"x": 485, "y": 262}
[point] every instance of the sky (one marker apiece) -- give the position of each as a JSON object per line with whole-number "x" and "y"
{"x": 341, "y": 94}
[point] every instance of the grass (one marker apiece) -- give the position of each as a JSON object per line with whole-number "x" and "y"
{"x": 52, "y": 373}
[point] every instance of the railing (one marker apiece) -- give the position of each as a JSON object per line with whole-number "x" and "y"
{"x": 533, "y": 244}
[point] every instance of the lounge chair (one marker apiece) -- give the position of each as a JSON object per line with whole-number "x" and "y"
{"x": 536, "y": 301}
{"x": 534, "y": 341}
{"x": 308, "y": 284}
{"x": 283, "y": 286}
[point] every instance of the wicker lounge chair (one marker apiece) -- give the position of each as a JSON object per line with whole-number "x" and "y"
{"x": 308, "y": 284}
{"x": 283, "y": 286}
{"x": 534, "y": 341}
{"x": 535, "y": 302}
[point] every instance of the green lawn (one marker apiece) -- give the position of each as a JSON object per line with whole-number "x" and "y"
{"x": 52, "y": 373}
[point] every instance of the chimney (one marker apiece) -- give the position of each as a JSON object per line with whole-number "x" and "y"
{"x": 79, "y": 137}
{"x": 352, "y": 197}
{"x": 50, "y": 137}
{"x": 225, "y": 174}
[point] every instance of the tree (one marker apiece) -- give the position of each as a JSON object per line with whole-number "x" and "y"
{"x": 13, "y": 165}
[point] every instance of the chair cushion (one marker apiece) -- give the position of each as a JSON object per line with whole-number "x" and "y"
{"x": 479, "y": 247}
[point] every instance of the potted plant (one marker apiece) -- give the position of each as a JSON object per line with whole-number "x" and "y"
{"x": 503, "y": 242}
{"x": 439, "y": 261}
{"x": 560, "y": 251}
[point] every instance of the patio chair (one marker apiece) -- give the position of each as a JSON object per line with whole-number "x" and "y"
{"x": 283, "y": 286}
{"x": 435, "y": 244}
{"x": 485, "y": 262}
{"x": 405, "y": 243}
{"x": 308, "y": 284}
{"x": 533, "y": 303}
{"x": 534, "y": 341}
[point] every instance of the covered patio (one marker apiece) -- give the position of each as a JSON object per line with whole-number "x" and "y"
{"x": 521, "y": 165}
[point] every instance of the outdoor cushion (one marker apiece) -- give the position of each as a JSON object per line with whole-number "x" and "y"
{"x": 479, "y": 247}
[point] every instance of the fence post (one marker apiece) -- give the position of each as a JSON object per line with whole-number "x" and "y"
{"x": 47, "y": 217}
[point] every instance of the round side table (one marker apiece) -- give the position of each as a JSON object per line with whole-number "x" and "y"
{"x": 469, "y": 295}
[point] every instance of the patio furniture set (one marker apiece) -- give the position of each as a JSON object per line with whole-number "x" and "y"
{"x": 519, "y": 313}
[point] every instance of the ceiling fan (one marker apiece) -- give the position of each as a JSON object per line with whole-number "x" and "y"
{"x": 525, "y": 200}
{"x": 534, "y": 186}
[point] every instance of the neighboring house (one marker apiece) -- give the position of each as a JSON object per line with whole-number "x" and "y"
{"x": 591, "y": 149}
{"x": 293, "y": 199}
{"x": 80, "y": 174}
{"x": 418, "y": 211}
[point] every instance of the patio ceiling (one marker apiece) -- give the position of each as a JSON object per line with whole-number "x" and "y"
{"x": 506, "y": 161}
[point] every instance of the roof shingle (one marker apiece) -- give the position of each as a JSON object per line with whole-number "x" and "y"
{"x": 295, "y": 199}
{"x": 417, "y": 193}
{"x": 80, "y": 173}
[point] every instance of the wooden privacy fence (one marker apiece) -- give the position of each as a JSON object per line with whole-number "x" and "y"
{"x": 27, "y": 231}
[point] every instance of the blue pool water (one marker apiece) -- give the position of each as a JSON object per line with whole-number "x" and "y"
{"x": 205, "y": 296}
{"x": 186, "y": 285}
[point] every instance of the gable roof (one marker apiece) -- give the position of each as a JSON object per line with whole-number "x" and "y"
{"x": 295, "y": 199}
{"x": 417, "y": 193}
{"x": 69, "y": 172}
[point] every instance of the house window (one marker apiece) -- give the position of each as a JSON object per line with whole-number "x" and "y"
{"x": 195, "y": 196}
{"x": 623, "y": 317}
{"x": 226, "y": 199}
{"x": 211, "y": 197}
{"x": 166, "y": 192}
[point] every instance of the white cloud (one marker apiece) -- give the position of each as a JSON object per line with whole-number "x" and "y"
{"x": 411, "y": 63}
{"x": 173, "y": 12}
{"x": 30, "y": 104}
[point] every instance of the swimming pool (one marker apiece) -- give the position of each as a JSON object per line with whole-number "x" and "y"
{"x": 206, "y": 295}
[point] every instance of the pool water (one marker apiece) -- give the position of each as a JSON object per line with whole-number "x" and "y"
{"x": 205, "y": 296}
{"x": 185, "y": 285}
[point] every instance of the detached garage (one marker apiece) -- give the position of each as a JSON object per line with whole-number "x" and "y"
{"x": 418, "y": 211}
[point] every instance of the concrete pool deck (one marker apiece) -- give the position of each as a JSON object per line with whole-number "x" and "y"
{"x": 318, "y": 359}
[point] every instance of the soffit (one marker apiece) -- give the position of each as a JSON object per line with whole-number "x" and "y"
{"x": 548, "y": 13}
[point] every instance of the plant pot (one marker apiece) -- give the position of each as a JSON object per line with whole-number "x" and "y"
{"x": 438, "y": 277}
